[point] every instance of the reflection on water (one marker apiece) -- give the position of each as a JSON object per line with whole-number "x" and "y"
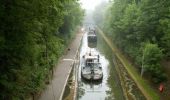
{"x": 109, "y": 88}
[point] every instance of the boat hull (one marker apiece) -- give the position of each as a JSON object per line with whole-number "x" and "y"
{"x": 92, "y": 77}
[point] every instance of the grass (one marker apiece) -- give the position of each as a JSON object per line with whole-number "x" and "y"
{"x": 121, "y": 79}
{"x": 142, "y": 84}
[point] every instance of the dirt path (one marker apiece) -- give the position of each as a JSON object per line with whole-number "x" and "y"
{"x": 55, "y": 89}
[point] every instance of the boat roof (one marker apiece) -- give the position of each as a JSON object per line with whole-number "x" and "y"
{"x": 93, "y": 62}
{"x": 91, "y": 57}
{"x": 91, "y": 34}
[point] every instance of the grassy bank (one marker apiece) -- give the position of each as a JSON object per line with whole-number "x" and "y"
{"x": 143, "y": 85}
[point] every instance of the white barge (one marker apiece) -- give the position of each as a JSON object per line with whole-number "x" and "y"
{"x": 91, "y": 68}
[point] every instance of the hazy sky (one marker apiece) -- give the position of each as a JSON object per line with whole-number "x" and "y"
{"x": 90, "y": 4}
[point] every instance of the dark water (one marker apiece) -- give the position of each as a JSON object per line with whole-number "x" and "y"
{"x": 109, "y": 88}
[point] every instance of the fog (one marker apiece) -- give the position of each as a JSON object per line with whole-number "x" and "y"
{"x": 90, "y": 4}
{"x": 93, "y": 8}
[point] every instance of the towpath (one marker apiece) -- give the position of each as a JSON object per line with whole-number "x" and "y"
{"x": 55, "y": 89}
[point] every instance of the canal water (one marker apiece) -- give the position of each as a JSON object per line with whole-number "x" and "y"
{"x": 109, "y": 88}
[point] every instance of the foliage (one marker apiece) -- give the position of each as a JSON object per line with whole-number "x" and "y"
{"x": 133, "y": 24}
{"x": 31, "y": 43}
{"x": 151, "y": 61}
{"x": 72, "y": 18}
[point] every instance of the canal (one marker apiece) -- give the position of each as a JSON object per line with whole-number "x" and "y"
{"x": 109, "y": 88}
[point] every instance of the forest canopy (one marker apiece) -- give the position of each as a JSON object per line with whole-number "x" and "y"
{"x": 33, "y": 35}
{"x": 140, "y": 29}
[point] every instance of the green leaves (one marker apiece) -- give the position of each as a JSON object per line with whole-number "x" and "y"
{"x": 30, "y": 42}
{"x": 152, "y": 53}
{"x": 140, "y": 27}
{"x": 73, "y": 17}
{"x": 152, "y": 56}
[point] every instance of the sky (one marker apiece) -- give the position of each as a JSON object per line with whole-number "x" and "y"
{"x": 90, "y": 4}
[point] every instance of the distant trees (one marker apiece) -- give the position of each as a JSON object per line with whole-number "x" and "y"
{"x": 31, "y": 42}
{"x": 135, "y": 25}
{"x": 73, "y": 17}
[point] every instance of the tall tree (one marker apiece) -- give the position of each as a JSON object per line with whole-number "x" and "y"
{"x": 134, "y": 23}
{"x": 30, "y": 43}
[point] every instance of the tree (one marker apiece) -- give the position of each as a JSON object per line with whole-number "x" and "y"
{"x": 30, "y": 43}
{"x": 151, "y": 62}
{"x": 137, "y": 24}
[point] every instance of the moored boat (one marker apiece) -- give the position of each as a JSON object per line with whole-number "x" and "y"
{"x": 92, "y": 36}
{"x": 91, "y": 67}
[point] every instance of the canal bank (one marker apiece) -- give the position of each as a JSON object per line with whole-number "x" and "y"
{"x": 147, "y": 91}
{"x": 55, "y": 90}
